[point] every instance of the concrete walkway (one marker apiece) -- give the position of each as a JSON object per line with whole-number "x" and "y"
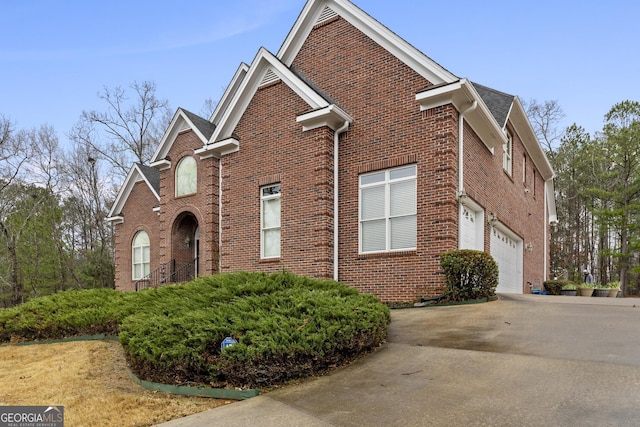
{"x": 524, "y": 360}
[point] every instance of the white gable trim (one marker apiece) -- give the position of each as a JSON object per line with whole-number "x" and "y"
{"x": 134, "y": 176}
{"x": 179, "y": 123}
{"x": 263, "y": 62}
{"x": 518, "y": 118}
{"x": 397, "y": 46}
{"x": 231, "y": 90}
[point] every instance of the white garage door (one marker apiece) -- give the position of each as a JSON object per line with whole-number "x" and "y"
{"x": 506, "y": 249}
{"x": 468, "y": 224}
{"x": 471, "y": 228}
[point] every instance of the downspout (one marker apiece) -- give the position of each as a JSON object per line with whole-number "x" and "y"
{"x": 336, "y": 138}
{"x": 470, "y": 108}
{"x": 220, "y": 215}
{"x": 461, "y": 193}
{"x": 545, "y": 237}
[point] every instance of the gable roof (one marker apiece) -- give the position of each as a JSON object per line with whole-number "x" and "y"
{"x": 316, "y": 11}
{"x": 182, "y": 120}
{"x": 137, "y": 173}
{"x": 266, "y": 66}
{"x": 151, "y": 175}
{"x": 499, "y": 103}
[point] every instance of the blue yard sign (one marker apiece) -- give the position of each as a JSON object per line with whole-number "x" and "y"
{"x": 227, "y": 342}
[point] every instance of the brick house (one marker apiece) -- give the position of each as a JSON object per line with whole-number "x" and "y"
{"x": 349, "y": 154}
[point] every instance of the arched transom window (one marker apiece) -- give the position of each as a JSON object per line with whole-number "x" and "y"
{"x": 186, "y": 176}
{"x": 140, "y": 252}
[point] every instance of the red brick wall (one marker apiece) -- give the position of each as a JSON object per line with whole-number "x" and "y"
{"x": 378, "y": 91}
{"x": 491, "y": 187}
{"x": 273, "y": 149}
{"x": 388, "y": 130}
{"x": 138, "y": 215}
{"x": 203, "y": 206}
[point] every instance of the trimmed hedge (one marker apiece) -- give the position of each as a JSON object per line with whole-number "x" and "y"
{"x": 469, "y": 274}
{"x": 287, "y": 327}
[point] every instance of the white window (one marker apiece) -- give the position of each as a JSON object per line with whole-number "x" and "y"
{"x": 507, "y": 154}
{"x": 186, "y": 176}
{"x": 388, "y": 210}
{"x": 270, "y": 221}
{"x": 140, "y": 250}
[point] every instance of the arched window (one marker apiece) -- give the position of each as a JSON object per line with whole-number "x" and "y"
{"x": 186, "y": 176}
{"x": 140, "y": 250}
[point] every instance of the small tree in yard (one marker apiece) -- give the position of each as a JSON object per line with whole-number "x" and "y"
{"x": 470, "y": 274}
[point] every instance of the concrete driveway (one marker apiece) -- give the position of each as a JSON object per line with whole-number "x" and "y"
{"x": 524, "y": 360}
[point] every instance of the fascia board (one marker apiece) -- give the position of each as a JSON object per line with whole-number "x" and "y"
{"x": 223, "y": 104}
{"x": 438, "y": 96}
{"x": 219, "y": 149}
{"x": 482, "y": 121}
{"x": 259, "y": 66}
{"x": 163, "y": 148}
{"x": 393, "y": 43}
{"x": 461, "y": 94}
{"x": 118, "y": 219}
{"x": 161, "y": 164}
{"x": 332, "y": 116}
{"x": 519, "y": 119}
{"x": 135, "y": 175}
{"x": 551, "y": 201}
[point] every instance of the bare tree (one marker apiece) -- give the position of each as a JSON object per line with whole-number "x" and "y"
{"x": 545, "y": 119}
{"x": 130, "y": 128}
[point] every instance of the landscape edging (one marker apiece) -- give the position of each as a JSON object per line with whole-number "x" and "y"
{"x": 216, "y": 393}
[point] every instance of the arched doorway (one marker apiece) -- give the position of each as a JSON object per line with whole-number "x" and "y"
{"x": 185, "y": 248}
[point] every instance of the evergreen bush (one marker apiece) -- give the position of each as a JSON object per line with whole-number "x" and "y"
{"x": 554, "y": 287}
{"x": 469, "y": 274}
{"x": 287, "y": 327}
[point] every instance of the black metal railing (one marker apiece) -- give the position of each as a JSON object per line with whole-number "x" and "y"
{"x": 185, "y": 273}
{"x": 168, "y": 273}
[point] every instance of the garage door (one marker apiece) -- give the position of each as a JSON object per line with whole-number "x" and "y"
{"x": 506, "y": 249}
{"x": 468, "y": 224}
{"x": 471, "y": 228}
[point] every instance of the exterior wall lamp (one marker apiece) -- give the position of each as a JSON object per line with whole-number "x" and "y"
{"x": 187, "y": 241}
{"x": 462, "y": 197}
{"x": 493, "y": 219}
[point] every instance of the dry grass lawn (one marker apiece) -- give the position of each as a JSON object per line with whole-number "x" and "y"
{"x": 89, "y": 379}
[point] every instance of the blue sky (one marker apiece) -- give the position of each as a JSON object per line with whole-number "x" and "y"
{"x": 56, "y": 55}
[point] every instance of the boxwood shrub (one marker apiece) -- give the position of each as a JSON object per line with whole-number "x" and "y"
{"x": 469, "y": 274}
{"x": 287, "y": 327}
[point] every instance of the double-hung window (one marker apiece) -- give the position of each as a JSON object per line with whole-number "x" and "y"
{"x": 270, "y": 221}
{"x": 507, "y": 154}
{"x": 388, "y": 210}
{"x": 140, "y": 251}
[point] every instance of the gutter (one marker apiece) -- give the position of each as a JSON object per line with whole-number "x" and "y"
{"x": 336, "y": 170}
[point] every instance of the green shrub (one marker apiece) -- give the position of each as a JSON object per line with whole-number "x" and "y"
{"x": 469, "y": 274}
{"x": 569, "y": 286}
{"x": 286, "y": 326}
{"x": 554, "y": 287}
